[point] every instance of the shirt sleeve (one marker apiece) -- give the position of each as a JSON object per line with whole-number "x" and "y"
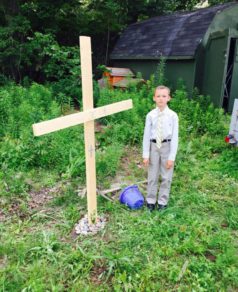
{"x": 146, "y": 137}
{"x": 174, "y": 139}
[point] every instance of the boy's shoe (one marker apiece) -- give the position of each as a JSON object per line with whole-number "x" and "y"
{"x": 161, "y": 207}
{"x": 151, "y": 207}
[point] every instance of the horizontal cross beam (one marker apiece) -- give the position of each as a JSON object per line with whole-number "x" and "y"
{"x": 79, "y": 118}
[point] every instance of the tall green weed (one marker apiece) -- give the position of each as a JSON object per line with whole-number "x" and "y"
{"x": 20, "y": 108}
{"x": 127, "y": 126}
{"x": 63, "y": 151}
{"x": 198, "y": 113}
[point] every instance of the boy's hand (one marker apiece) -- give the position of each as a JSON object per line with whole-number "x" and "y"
{"x": 146, "y": 161}
{"x": 169, "y": 164}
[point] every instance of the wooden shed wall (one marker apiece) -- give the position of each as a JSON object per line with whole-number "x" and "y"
{"x": 174, "y": 70}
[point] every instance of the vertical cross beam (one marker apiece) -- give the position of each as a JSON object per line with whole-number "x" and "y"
{"x": 87, "y": 91}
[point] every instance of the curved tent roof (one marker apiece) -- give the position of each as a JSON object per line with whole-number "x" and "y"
{"x": 177, "y": 34}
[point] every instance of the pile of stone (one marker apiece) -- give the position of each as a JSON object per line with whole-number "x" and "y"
{"x": 83, "y": 227}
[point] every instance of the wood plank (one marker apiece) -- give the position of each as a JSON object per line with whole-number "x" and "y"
{"x": 89, "y": 132}
{"x": 89, "y": 139}
{"x": 64, "y": 122}
{"x": 116, "y": 189}
{"x": 86, "y": 71}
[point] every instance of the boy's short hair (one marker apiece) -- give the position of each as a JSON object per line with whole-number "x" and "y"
{"x": 163, "y": 87}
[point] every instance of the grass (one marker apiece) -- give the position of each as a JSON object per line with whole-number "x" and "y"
{"x": 190, "y": 246}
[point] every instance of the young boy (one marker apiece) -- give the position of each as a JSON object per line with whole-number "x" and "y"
{"x": 160, "y": 143}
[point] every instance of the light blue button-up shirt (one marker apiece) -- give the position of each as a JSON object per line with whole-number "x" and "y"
{"x": 169, "y": 131}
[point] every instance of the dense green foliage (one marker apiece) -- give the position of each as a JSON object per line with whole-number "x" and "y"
{"x": 21, "y": 107}
{"x": 190, "y": 246}
{"x": 37, "y": 38}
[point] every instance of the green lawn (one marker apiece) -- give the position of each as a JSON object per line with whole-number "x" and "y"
{"x": 190, "y": 246}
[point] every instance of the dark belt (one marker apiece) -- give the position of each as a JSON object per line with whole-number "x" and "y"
{"x": 165, "y": 140}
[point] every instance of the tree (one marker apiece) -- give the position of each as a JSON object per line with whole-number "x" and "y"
{"x": 63, "y": 21}
{"x": 215, "y": 2}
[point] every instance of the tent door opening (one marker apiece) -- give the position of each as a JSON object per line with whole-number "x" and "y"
{"x": 229, "y": 78}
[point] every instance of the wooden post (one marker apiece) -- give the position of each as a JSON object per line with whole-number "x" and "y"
{"x": 89, "y": 140}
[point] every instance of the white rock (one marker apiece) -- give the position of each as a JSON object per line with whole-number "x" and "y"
{"x": 83, "y": 226}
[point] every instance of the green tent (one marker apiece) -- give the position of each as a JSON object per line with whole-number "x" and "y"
{"x": 200, "y": 46}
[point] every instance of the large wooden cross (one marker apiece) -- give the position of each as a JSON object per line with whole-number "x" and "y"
{"x": 87, "y": 117}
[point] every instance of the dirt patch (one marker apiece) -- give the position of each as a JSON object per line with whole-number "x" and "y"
{"x": 130, "y": 171}
{"x": 42, "y": 197}
{"x": 98, "y": 272}
{"x": 17, "y": 208}
{"x": 131, "y": 159}
{"x": 3, "y": 217}
{"x": 3, "y": 213}
{"x": 224, "y": 225}
{"x": 3, "y": 262}
{"x": 38, "y": 199}
{"x": 210, "y": 256}
{"x": 23, "y": 208}
{"x": 99, "y": 128}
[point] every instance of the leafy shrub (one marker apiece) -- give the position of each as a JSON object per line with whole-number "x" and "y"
{"x": 56, "y": 64}
{"x": 64, "y": 151}
{"x": 127, "y": 126}
{"x": 108, "y": 160}
{"x": 199, "y": 115}
{"x": 20, "y": 108}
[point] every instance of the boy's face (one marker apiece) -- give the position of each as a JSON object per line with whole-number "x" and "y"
{"x": 161, "y": 98}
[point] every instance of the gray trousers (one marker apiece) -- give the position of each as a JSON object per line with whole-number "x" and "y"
{"x": 157, "y": 168}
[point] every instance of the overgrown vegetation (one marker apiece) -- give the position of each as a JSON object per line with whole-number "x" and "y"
{"x": 37, "y": 37}
{"x": 190, "y": 246}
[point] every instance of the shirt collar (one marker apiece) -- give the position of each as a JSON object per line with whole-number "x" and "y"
{"x": 164, "y": 111}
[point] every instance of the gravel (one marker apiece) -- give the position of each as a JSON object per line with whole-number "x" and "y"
{"x": 83, "y": 227}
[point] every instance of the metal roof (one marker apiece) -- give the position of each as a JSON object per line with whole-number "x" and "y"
{"x": 177, "y": 34}
{"x": 120, "y": 71}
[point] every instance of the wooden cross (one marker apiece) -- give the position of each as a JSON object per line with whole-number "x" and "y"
{"x": 87, "y": 117}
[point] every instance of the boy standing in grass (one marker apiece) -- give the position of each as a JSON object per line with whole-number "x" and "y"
{"x": 160, "y": 144}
